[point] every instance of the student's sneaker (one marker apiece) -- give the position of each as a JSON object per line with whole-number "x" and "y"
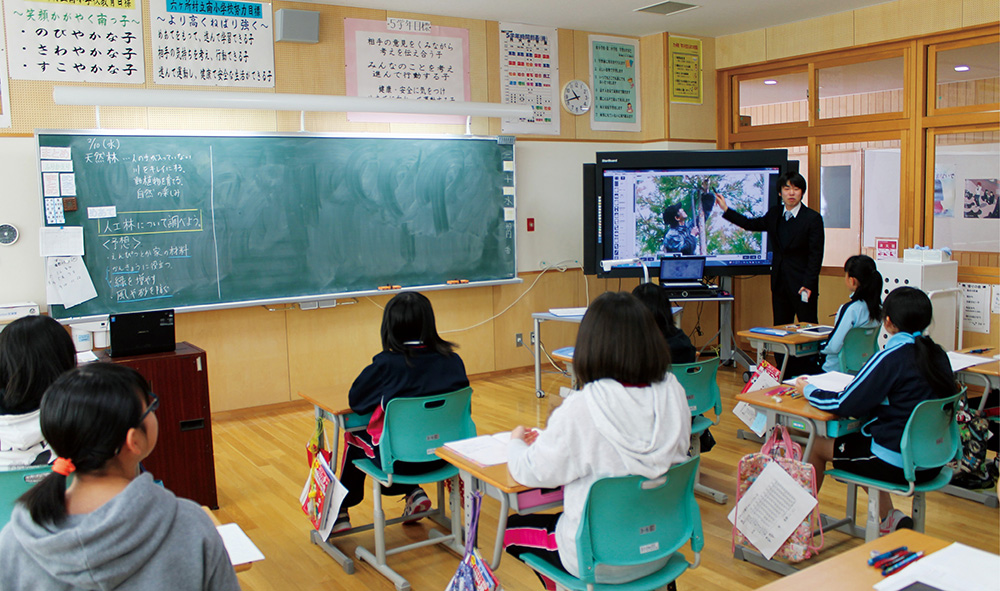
{"x": 893, "y": 521}
{"x": 416, "y": 502}
{"x": 343, "y": 523}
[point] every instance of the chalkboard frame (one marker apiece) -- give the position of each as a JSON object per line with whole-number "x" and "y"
{"x": 309, "y": 301}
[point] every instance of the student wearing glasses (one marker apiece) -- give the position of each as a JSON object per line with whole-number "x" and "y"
{"x": 112, "y": 528}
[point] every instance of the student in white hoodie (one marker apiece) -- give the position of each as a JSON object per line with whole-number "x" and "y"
{"x": 630, "y": 418}
{"x": 34, "y": 351}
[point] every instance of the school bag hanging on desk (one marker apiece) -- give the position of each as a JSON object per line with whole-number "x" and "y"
{"x": 779, "y": 448}
{"x": 473, "y": 574}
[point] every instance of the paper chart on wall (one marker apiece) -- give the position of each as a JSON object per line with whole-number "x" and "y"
{"x": 976, "y": 307}
{"x": 529, "y": 75}
{"x": 68, "y": 277}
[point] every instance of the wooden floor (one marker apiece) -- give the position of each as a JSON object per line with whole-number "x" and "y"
{"x": 261, "y": 466}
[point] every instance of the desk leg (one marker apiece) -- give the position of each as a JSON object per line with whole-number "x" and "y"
{"x": 501, "y": 530}
{"x": 538, "y": 359}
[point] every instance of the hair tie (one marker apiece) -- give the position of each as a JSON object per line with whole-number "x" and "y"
{"x": 917, "y": 334}
{"x": 63, "y": 466}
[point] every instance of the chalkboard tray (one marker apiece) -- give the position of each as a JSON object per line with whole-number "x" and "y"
{"x": 215, "y": 220}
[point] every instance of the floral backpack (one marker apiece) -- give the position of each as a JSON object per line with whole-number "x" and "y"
{"x": 781, "y": 449}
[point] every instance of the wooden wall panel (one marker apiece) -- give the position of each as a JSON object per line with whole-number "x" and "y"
{"x": 697, "y": 122}
{"x": 654, "y": 87}
{"x": 247, "y": 354}
{"x": 814, "y": 35}
{"x": 741, "y": 48}
{"x": 980, "y": 12}
{"x": 905, "y": 18}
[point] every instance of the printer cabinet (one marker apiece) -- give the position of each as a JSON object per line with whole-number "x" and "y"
{"x": 183, "y": 458}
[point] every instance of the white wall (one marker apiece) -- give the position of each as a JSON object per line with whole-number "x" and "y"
{"x": 881, "y": 196}
{"x": 549, "y": 188}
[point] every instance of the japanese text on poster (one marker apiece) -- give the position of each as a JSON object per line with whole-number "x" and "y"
{"x": 212, "y": 43}
{"x": 529, "y": 75}
{"x": 75, "y": 41}
{"x": 976, "y": 312}
{"x": 685, "y": 70}
{"x": 614, "y": 70}
{"x": 384, "y": 63}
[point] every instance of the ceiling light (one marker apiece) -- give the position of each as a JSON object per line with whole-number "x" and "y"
{"x": 770, "y": 82}
{"x": 667, "y": 8}
{"x": 962, "y": 68}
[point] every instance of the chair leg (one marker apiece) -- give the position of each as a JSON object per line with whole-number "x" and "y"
{"x": 377, "y": 560}
{"x": 717, "y": 496}
{"x": 872, "y": 525}
{"x": 919, "y": 511}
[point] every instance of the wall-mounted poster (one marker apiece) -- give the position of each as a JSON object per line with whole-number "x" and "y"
{"x": 68, "y": 41}
{"x": 981, "y": 199}
{"x": 410, "y": 60}
{"x": 529, "y": 75}
{"x": 217, "y": 43}
{"x": 614, "y": 72}
{"x": 685, "y": 70}
{"x": 944, "y": 190}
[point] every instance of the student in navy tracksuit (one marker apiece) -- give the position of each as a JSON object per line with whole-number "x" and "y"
{"x": 415, "y": 361}
{"x": 911, "y": 369}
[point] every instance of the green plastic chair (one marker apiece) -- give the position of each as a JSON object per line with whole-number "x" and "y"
{"x": 636, "y": 523}
{"x": 930, "y": 440}
{"x": 15, "y": 483}
{"x": 413, "y": 429}
{"x": 859, "y": 346}
{"x": 702, "y": 390}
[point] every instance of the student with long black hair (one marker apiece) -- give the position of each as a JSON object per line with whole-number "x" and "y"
{"x": 656, "y": 300}
{"x": 629, "y": 418}
{"x": 415, "y": 361}
{"x": 864, "y": 310}
{"x": 112, "y": 528}
{"x": 34, "y": 351}
{"x": 910, "y": 369}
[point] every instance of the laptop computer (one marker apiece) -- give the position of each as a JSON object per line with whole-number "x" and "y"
{"x": 139, "y": 333}
{"x": 682, "y": 272}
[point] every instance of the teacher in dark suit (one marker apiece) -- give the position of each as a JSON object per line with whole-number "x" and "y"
{"x": 797, "y": 236}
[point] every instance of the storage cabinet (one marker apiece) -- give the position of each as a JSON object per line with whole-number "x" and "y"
{"x": 183, "y": 458}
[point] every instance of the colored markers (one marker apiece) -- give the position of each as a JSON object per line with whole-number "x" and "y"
{"x": 894, "y": 560}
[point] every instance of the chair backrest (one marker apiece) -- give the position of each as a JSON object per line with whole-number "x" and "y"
{"x": 415, "y": 427}
{"x": 633, "y": 521}
{"x": 859, "y": 346}
{"x": 15, "y": 483}
{"x": 700, "y": 385}
{"x": 931, "y": 438}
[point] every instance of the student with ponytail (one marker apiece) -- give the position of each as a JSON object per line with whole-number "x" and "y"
{"x": 863, "y": 311}
{"x": 910, "y": 369}
{"x": 111, "y": 528}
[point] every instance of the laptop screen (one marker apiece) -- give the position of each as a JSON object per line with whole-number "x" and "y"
{"x": 682, "y": 269}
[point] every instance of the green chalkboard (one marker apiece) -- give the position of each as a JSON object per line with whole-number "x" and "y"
{"x": 215, "y": 221}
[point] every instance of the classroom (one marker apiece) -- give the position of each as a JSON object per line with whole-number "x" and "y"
{"x": 904, "y": 147}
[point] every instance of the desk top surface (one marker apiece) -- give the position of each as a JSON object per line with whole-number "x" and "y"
{"x": 794, "y": 406}
{"x": 496, "y": 475}
{"x": 850, "y": 570}
{"x": 334, "y": 403}
{"x": 986, "y": 369}
{"x": 795, "y": 338}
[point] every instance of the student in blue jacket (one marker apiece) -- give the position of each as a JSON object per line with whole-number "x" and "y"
{"x": 863, "y": 311}
{"x": 910, "y": 369}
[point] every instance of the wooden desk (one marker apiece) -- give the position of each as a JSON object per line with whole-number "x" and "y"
{"x": 850, "y": 571}
{"x": 494, "y": 481}
{"x": 795, "y": 344}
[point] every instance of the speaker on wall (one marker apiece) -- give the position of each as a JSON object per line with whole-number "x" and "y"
{"x": 300, "y": 26}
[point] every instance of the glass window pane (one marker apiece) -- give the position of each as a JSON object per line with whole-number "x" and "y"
{"x": 774, "y": 99}
{"x": 865, "y": 88}
{"x": 968, "y": 76}
{"x": 858, "y": 196}
{"x": 966, "y": 206}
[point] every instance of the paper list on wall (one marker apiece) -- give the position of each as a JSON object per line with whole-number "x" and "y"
{"x": 995, "y": 300}
{"x": 54, "y": 213}
{"x": 68, "y": 280}
{"x": 67, "y": 184}
{"x": 529, "y": 75}
{"x": 61, "y": 241}
{"x": 771, "y": 509}
{"x": 57, "y": 166}
{"x": 975, "y": 314}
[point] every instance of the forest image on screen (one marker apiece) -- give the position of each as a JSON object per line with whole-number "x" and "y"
{"x": 661, "y": 212}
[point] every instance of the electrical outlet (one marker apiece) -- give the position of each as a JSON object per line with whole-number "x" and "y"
{"x": 532, "y": 337}
{"x": 518, "y": 340}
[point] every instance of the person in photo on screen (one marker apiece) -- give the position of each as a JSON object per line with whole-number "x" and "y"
{"x": 910, "y": 369}
{"x": 111, "y": 527}
{"x": 415, "y": 361}
{"x": 629, "y": 418}
{"x": 864, "y": 310}
{"x": 34, "y": 351}
{"x": 682, "y": 234}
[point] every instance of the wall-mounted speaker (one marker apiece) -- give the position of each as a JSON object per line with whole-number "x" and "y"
{"x": 299, "y": 26}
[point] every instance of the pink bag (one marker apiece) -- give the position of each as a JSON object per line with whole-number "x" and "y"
{"x": 781, "y": 449}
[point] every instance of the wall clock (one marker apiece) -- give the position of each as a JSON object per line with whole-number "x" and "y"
{"x": 576, "y": 97}
{"x": 8, "y": 234}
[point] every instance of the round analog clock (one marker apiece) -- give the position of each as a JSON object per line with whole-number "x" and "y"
{"x": 576, "y": 97}
{"x": 8, "y": 234}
